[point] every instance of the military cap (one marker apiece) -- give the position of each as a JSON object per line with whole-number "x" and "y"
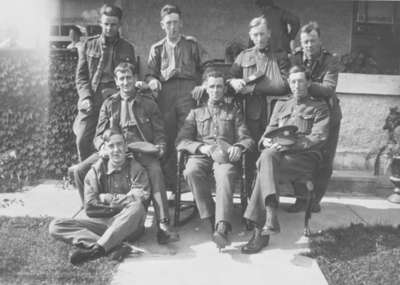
{"x": 219, "y": 152}
{"x": 144, "y": 147}
{"x": 285, "y": 136}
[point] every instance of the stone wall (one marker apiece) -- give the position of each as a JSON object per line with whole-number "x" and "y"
{"x": 365, "y": 101}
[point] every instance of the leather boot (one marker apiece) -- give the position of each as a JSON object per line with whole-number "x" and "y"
{"x": 165, "y": 234}
{"x": 256, "y": 243}
{"x": 272, "y": 224}
{"x": 81, "y": 255}
{"x": 220, "y": 236}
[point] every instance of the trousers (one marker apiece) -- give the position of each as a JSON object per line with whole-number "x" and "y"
{"x": 86, "y": 121}
{"x": 107, "y": 232}
{"x": 156, "y": 177}
{"x": 273, "y": 167}
{"x": 324, "y": 173}
{"x": 175, "y": 102}
{"x": 198, "y": 173}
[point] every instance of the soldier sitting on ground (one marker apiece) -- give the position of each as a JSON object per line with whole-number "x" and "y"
{"x": 117, "y": 192}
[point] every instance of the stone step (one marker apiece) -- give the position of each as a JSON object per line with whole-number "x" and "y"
{"x": 359, "y": 182}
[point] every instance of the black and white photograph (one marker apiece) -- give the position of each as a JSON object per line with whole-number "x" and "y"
{"x": 202, "y": 142}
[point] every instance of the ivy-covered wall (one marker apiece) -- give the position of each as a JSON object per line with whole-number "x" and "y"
{"x": 37, "y": 109}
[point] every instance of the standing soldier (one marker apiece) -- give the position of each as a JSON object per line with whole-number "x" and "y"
{"x": 257, "y": 73}
{"x": 174, "y": 70}
{"x": 95, "y": 75}
{"x": 324, "y": 68}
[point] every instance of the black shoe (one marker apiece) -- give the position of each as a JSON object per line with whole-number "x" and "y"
{"x": 299, "y": 206}
{"x": 166, "y": 235}
{"x": 80, "y": 256}
{"x": 272, "y": 224}
{"x": 220, "y": 236}
{"x": 256, "y": 243}
{"x": 121, "y": 252}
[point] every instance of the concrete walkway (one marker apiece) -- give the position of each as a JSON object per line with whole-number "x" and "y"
{"x": 195, "y": 260}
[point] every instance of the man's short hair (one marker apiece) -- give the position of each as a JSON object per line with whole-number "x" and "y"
{"x": 258, "y": 21}
{"x": 170, "y": 9}
{"x": 311, "y": 26}
{"x": 111, "y": 132}
{"x": 302, "y": 69}
{"x": 124, "y": 67}
{"x": 212, "y": 72}
{"x": 264, "y": 3}
{"x": 76, "y": 30}
{"x": 111, "y": 10}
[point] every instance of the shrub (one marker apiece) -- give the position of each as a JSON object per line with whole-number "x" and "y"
{"x": 38, "y": 107}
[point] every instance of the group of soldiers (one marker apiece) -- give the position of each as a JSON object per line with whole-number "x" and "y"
{"x": 128, "y": 131}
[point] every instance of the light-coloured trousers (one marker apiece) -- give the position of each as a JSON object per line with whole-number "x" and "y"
{"x": 107, "y": 232}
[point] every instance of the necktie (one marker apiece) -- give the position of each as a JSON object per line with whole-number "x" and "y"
{"x": 125, "y": 117}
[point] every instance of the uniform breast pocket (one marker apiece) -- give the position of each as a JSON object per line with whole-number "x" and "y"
{"x": 305, "y": 123}
{"x": 146, "y": 128}
{"x": 187, "y": 61}
{"x": 227, "y": 125}
{"x": 249, "y": 68}
{"x": 203, "y": 125}
{"x": 93, "y": 59}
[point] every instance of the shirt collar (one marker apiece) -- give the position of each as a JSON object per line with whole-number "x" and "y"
{"x": 173, "y": 44}
{"x": 130, "y": 98}
{"x": 264, "y": 51}
{"x": 315, "y": 59}
{"x": 106, "y": 42}
{"x": 112, "y": 168}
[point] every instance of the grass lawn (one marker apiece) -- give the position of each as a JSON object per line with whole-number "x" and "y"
{"x": 28, "y": 255}
{"x": 358, "y": 255}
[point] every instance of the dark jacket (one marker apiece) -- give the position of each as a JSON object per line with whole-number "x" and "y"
{"x": 250, "y": 62}
{"x": 189, "y": 58}
{"x": 99, "y": 181}
{"x": 147, "y": 116}
{"x": 91, "y": 63}
{"x": 201, "y": 127}
{"x": 324, "y": 76}
{"x": 311, "y": 116}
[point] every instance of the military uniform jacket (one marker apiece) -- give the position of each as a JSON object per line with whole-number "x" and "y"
{"x": 210, "y": 125}
{"x": 252, "y": 61}
{"x": 91, "y": 63}
{"x": 101, "y": 179}
{"x": 311, "y": 116}
{"x": 146, "y": 113}
{"x": 324, "y": 76}
{"x": 185, "y": 62}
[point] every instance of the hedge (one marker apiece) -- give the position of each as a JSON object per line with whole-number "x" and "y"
{"x": 38, "y": 106}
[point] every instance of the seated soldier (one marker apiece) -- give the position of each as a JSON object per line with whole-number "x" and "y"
{"x": 288, "y": 163}
{"x": 117, "y": 191}
{"x": 216, "y": 134}
{"x": 135, "y": 112}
